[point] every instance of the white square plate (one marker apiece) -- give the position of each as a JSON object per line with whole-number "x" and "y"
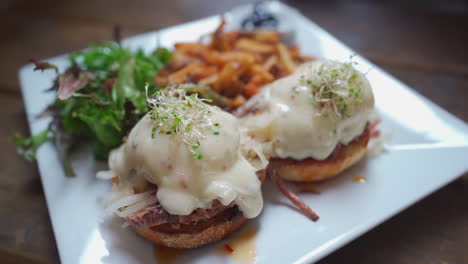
{"x": 428, "y": 150}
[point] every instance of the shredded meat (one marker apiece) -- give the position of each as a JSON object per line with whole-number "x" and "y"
{"x": 154, "y": 215}
{"x": 293, "y": 196}
{"x": 229, "y": 214}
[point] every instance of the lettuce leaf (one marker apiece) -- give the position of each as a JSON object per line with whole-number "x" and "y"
{"x": 103, "y": 99}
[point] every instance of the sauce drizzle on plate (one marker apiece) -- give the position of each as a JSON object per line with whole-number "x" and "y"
{"x": 360, "y": 179}
{"x": 166, "y": 255}
{"x": 241, "y": 247}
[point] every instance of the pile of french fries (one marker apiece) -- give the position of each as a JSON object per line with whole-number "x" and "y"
{"x": 235, "y": 64}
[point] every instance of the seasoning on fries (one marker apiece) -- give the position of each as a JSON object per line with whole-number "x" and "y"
{"x": 235, "y": 64}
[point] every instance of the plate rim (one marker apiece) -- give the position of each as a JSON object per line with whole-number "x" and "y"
{"x": 342, "y": 239}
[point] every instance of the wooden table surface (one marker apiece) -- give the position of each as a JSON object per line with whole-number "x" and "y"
{"x": 422, "y": 43}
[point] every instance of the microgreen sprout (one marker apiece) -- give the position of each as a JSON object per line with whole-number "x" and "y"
{"x": 335, "y": 88}
{"x": 196, "y": 145}
{"x": 197, "y": 155}
{"x": 187, "y": 116}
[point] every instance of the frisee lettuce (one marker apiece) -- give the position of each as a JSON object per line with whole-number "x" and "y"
{"x": 102, "y": 111}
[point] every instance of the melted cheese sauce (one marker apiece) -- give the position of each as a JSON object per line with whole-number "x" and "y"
{"x": 294, "y": 127}
{"x": 184, "y": 183}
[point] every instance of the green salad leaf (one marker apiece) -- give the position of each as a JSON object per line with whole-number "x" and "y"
{"x": 27, "y": 147}
{"x": 103, "y": 97}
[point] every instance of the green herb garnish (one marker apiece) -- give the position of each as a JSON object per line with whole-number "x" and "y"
{"x": 174, "y": 112}
{"x": 196, "y": 145}
{"x": 27, "y": 147}
{"x": 197, "y": 156}
{"x": 335, "y": 88}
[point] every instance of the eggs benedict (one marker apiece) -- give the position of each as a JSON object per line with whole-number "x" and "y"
{"x": 313, "y": 123}
{"x": 181, "y": 179}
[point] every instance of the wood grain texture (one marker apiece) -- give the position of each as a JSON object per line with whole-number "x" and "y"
{"x": 25, "y": 227}
{"x": 422, "y": 43}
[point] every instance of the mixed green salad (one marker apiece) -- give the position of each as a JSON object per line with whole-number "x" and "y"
{"x": 100, "y": 97}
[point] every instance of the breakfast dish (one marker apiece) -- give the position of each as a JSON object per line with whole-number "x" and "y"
{"x": 181, "y": 178}
{"x": 313, "y": 123}
{"x": 205, "y": 214}
{"x": 172, "y": 209}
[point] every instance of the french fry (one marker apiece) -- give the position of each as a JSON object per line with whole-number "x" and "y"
{"x": 229, "y": 74}
{"x": 254, "y": 46}
{"x": 260, "y": 71}
{"x": 268, "y": 36}
{"x": 192, "y": 49}
{"x": 246, "y": 57}
{"x": 161, "y": 81}
{"x": 237, "y": 101}
{"x": 235, "y": 64}
{"x": 208, "y": 81}
{"x": 295, "y": 51}
{"x": 251, "y": 89}
{"x": 204, "y": 72}
{"x": 285, "y": 58}
{"x": 181, "y": 75}
{"x": 272, "y": 60}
